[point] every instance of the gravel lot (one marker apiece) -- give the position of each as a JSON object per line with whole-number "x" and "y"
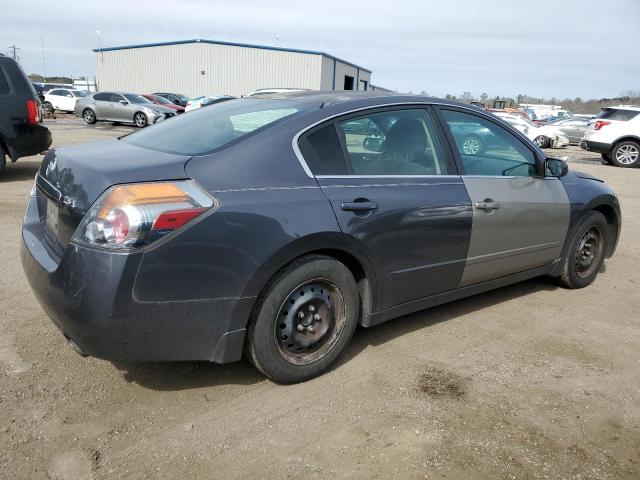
{"x": 529, "y": 381}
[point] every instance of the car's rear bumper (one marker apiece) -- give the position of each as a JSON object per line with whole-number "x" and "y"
{"x": 29, "y": 140}
{"x": 595, "y": 146}
{"x": 89, "y": 294}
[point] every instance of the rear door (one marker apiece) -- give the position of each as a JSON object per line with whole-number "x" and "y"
{"x": 101, "y": 106}
{"x": 520, "y": 218}
{"x": 397, "y": 195}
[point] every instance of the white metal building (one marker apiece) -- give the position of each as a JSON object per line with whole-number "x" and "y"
{"x": 207, "y": 67}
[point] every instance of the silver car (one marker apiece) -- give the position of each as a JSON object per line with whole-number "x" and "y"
{"x": 573, "y": 128}
{"x": 121, "y": 107}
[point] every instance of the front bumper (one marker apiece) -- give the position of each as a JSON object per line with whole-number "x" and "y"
{"x": 90, "y": 296}
{"x": 595, "y": 146}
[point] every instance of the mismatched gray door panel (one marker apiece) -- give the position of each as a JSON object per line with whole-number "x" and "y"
{"x": 519, "y": 223}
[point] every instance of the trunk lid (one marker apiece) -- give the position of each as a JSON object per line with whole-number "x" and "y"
{"x": 71, "y": 179}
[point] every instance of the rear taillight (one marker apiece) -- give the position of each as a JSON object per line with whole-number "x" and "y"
{"x": 135, "y": 215}
{"x": 33, "y": 112}
{"x": 601, "y": 123}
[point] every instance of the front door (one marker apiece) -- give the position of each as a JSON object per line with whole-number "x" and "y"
{"x": 397, "y": 196}
{"x": 520, "y": 218}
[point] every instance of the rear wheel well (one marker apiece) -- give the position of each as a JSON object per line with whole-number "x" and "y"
{"x": 625, "y": 139}
{"x": 612, "y": 225}
{"x": 365, "y": 286}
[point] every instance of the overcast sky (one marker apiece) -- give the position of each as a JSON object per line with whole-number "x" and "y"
{"x": 562, "y": 48}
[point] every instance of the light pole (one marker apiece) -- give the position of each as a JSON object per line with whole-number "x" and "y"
{"x": 100, "y": 45}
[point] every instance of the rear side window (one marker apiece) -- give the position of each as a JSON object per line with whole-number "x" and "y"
{"x": 323, "y": 152}
{"x": 390, "y": 143}
{"x": 617, "y": 114}
{"x": 102, "y": 97}
{"x": 208, "y": 129}
{"x": 4, "y": 85}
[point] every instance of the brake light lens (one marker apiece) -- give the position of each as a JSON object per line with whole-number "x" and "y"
{"x": 33, "y": 112}
{"x": 601, "y": 123}
{"x": 135, "y": 215}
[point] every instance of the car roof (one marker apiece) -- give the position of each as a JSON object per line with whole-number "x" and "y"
{"x": 634, "y": 108}
{"x": 327, "y": 98}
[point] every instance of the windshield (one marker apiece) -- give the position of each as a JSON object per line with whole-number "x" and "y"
{"x": 183, "y": 98}
{"x": 136, "y": 98}
{"x": 208, "y": 129}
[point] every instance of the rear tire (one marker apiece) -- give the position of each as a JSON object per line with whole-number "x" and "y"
{"x": 586, "y": 252}
{"x": 303, "y": 320}
{"x": 89, "y": 116}
{"x": 626, "y": 154}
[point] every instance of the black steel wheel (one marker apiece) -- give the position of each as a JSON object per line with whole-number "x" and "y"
{"x": 586, "y": 252}
{"x": 304, "y": 319}
{"x": 310, "y": 321}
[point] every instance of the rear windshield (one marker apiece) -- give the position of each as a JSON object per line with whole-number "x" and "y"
{"x": 617, "y": 114}
{"x": 205, "y": 130}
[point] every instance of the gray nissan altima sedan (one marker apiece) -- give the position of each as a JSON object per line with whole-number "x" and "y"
{"x": 275, "y": 226}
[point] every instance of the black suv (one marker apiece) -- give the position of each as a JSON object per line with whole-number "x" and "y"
{"x": 21, "y": 129}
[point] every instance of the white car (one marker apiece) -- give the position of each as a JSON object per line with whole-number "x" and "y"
{"x": 63, "y": 99}
{"x": 204, "y": 101}
{"x": 544, "y": 136}
{"x": 615, "y": 133}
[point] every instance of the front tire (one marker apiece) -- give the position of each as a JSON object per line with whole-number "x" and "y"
{"x": 140, "y": 119}
{"x": 626, "y": 154}
{"x": 542, "y": 141}
{"x": 89, "y": 116}
{"x": 586, "y": 253}
{"x": 303, "y": 320}
{"x": 3, "y": 160}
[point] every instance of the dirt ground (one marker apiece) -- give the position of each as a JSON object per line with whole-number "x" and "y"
{"x": 528, "y": 381}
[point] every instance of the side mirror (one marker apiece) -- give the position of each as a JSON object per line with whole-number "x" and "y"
{"x": 372, "y": 144}
{"x": 554, "y": 167}
{"x": 123, "y": 102}
{"x": 176, "y": 101}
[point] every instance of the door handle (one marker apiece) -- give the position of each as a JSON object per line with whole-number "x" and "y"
{"x": 365, "y": 206}
{"x": 487, "y": 205}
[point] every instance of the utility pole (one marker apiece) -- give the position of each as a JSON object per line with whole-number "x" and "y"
{"x": 44, "y": 74}
{"x": 14, "y": 50}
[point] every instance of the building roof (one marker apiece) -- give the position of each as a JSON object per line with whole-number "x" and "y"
{"x": 231, "y": 44}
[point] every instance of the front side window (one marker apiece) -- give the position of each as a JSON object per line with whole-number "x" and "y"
{"x": 488, "y": 149}
{"x": 391, "y": 143}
